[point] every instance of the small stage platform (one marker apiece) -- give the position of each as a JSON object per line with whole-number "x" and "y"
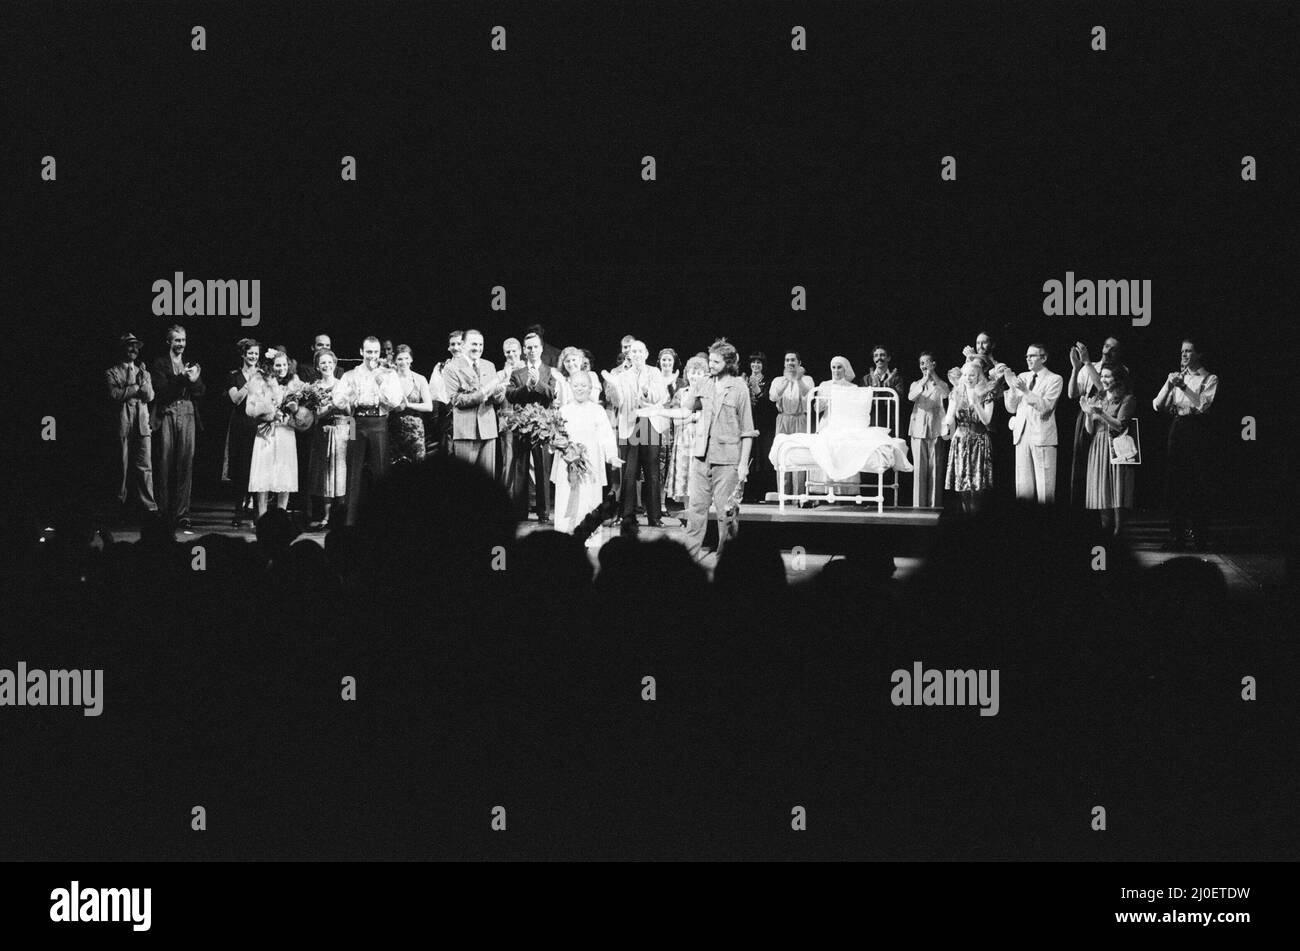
{"x": 841, "y": 513}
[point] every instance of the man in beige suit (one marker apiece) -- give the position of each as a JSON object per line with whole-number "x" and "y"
{"x": 1031, "y": 400}
{"x": 475, "y": 390}
{"x": 928, "y": 450}
{"x": 131, "y": 387}
{"x": 637, "y": 387}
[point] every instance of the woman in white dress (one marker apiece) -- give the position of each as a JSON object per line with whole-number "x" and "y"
{"x": 841, "y": 377}
{"x": 274, "y": 466}
{"x": 327, "y": 469}
{"x": 588, "y": 425}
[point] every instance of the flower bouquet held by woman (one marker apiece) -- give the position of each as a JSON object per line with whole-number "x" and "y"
{"x": 545, "y": 427}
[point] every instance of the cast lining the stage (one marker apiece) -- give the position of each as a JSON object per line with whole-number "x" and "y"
{"x": 671, "y": 437}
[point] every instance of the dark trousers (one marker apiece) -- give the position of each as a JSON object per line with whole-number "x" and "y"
{"x": 173, "y": 462}
{"x": 640, "y": 458}
{"x": 367, "y": 459}
{"x": 1185, "y": 474}
{"x": 525, "y": 453}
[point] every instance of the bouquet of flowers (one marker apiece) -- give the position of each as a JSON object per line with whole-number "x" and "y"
{"x": 545, "y": 427}
{"x": 298, "y": 408}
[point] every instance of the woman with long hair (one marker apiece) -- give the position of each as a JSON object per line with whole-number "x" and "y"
{"x": 762, "y": 477}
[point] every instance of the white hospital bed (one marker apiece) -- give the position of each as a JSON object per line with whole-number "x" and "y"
{"x": 845, "y": 443}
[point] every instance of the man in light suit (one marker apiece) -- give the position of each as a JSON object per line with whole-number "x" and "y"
{"x": 512, "y": 360}
{"x": 130, "y": 386}
{"x": 928, "y": 450}
{"x": 1031, "y": 401}
{"x": 475, "y": 390}
{"x": 639, "y": 386}
{"x": 534, "y": 382}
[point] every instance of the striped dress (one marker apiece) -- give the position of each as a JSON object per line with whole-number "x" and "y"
{"x": 1109, "y": 486}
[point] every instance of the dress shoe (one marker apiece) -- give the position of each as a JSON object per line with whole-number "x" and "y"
{"x": 655, "y": 524}
{"x": 183, "y": 523}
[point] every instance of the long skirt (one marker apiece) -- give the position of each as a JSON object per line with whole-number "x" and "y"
{"x": 327, "y": 475}
{"x": 1108, "y": 486}
{"x": 677, "y": 482}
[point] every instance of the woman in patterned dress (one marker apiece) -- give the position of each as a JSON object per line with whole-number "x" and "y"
{"x": 670, "y": 371}
{"x": 406, "y": 424}
{"x": 327, "y": 471}
{"x": 1109, "y": 487}
{"x": 970, "y": 456}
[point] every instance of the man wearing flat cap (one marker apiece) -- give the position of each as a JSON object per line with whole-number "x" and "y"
{"x": 130, "y": 387}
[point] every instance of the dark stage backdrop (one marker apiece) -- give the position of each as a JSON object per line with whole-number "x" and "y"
{"x": 522, "y": 168}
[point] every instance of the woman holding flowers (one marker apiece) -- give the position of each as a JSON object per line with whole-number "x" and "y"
{"x": 272, "y": 403}
{"x": 582, "y": 452}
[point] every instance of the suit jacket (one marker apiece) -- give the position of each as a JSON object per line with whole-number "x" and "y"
{"x": 927, "y": 409}
{"x": 725, "y": 419}
{"x": 629, "y": 391}
{"x": 169, "y": 387}
{"x": 473, "y": 415}
{"x": 1033, "y": 414}
{"x": 133, "y": 413}
{"x": 520, "y": 393}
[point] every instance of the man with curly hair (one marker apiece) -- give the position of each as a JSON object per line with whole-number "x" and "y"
{"x": 724, "y": 437}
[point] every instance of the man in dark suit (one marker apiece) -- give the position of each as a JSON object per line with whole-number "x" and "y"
{"x": 550, "y": 354}
{"x": 174, "y": 421}
{"x": 534, "y": 382}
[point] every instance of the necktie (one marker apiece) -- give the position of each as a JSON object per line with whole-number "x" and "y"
{"x": 532, "y": 374}
{"x": 1033, "y": 380}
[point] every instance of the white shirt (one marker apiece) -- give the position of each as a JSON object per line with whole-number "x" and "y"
{"x": 1193, "y": 398}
